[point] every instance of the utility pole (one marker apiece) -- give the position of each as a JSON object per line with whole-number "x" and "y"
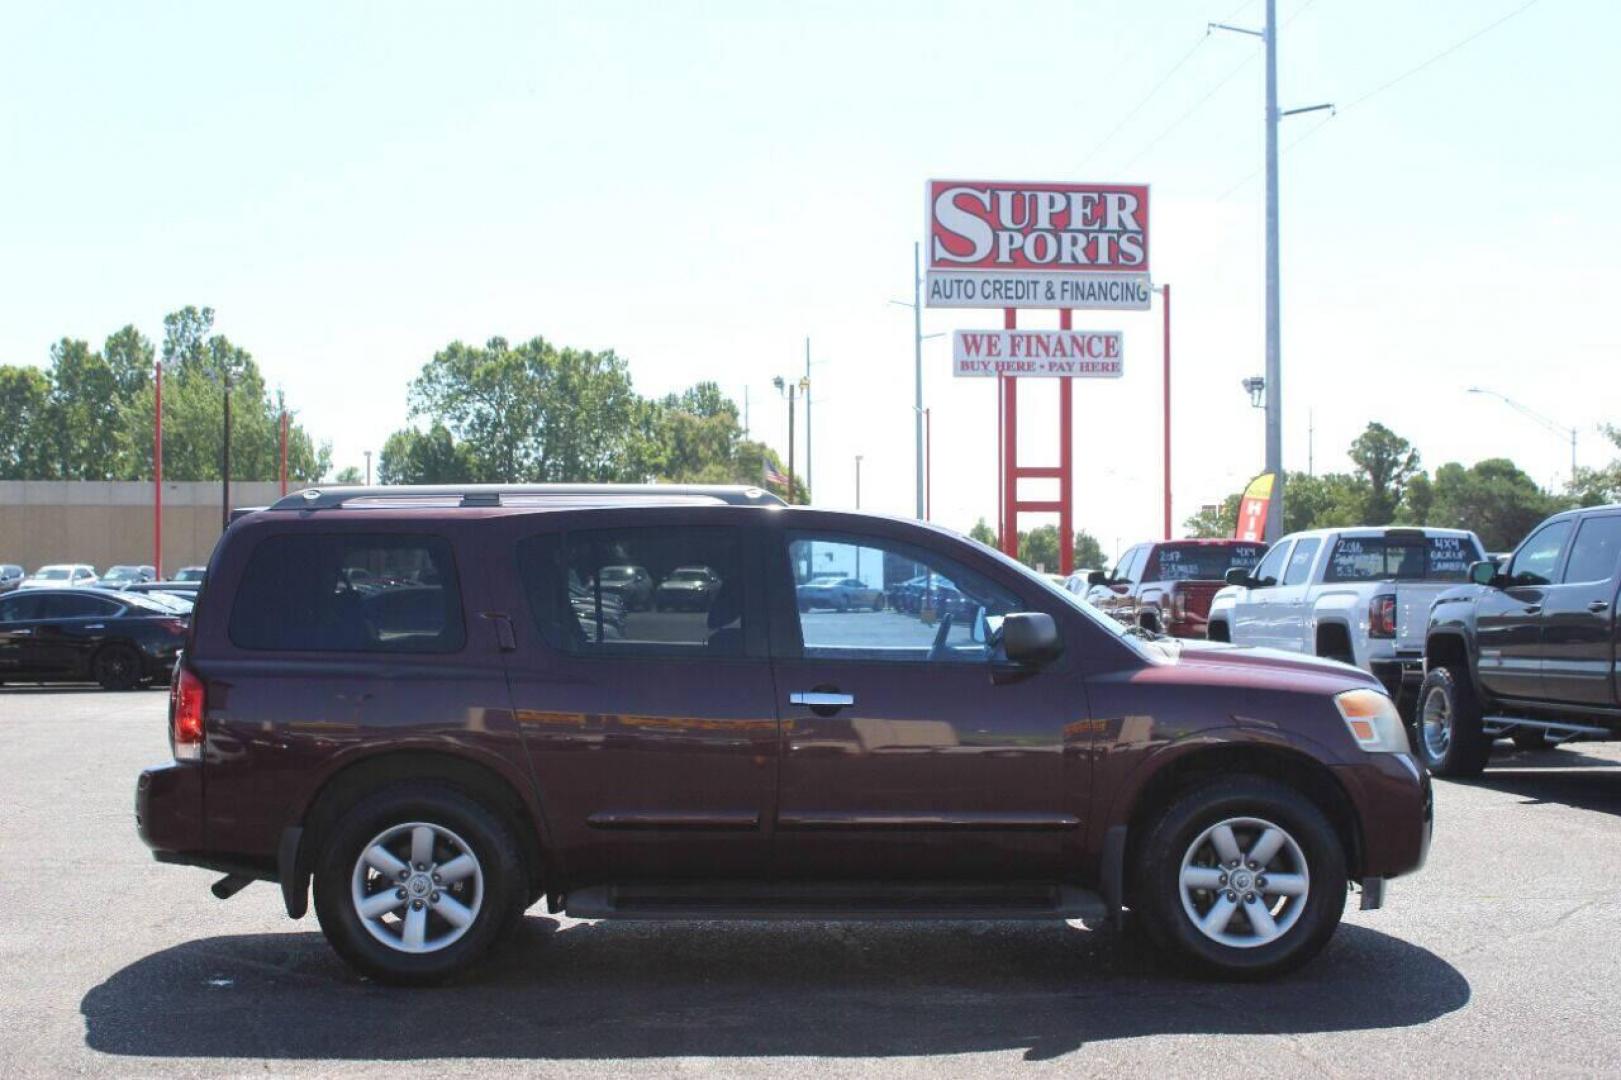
{"x": 789, "y": 388}
{"x": 745, "y": 413}
{"x": 917, "y": 372}
{"x": 808, "y": 458}
{"x": 1274, "y": 348}
{"x": 225, "y": 456}
{"x": 858, "y": 481}
{"x": 368, "y": 467}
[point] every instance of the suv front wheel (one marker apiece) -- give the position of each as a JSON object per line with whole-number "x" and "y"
{"x": 1242, "y": 877}
{"x": 416, "y": 882}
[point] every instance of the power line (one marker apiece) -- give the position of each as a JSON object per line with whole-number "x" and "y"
{"x": 1197, "y": 105}
{"x": 1443, "y": 54}
{"x": 1382, "y": 87}
{"x": 1146, "y": 98}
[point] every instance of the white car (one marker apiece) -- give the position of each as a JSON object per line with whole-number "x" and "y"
{"x": 60, "y": 576}
{"x": 1358, "y": 595}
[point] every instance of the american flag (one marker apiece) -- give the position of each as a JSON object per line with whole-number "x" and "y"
{"x": 771, "y": 474}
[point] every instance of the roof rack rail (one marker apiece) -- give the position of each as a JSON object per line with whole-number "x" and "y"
{"x": 473, "y": 495}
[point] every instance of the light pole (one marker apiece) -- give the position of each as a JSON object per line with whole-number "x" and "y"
{"x": 368, "y": 467}
{"x": 1553, "y": 426}
{"x": 917, "y": 370}
{"x": 858, "y": 481}
{"x": 791, "y": 389}
{"x": 1274, "y": 352}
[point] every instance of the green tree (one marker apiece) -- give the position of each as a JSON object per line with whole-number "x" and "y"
{"x": 349, "y": 474}
{"x": 1089, "y": 553}
{"x": 1038, "y": 548}
{"x": 26, "y": 446}
{"x": 1322, "y": 502}
{"x": 434, "y": 456}
{"x": 1417, "y": 502}
{"x": 1385, "y": 463}
{"x": 1494, "y": 498}
{"x": 535, "y": 412}
{"x": 983, "y": 532}
{"x": 1214, "y": 522}
{"x": 1595, "y": 487}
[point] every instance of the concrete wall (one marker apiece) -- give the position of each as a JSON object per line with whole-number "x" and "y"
{"x": 49, "y": 521}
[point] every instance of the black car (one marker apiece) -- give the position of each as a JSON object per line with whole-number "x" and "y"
{"x": 1528, "y": 649}
{"x": 688, "y": 588}
{"x": 117, "y": 639}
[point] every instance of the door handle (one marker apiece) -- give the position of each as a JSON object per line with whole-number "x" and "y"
{"x": 1598, "y": 605}
{"x": 820, "y": 699}
{"x": 23, "y": 633}
{"x": 505, "y": 639}
{"x": 95, "y": 626}
{"x": 1532, "y": 609}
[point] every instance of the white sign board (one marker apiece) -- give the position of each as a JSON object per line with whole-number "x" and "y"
{"x": 1083, "y": 354}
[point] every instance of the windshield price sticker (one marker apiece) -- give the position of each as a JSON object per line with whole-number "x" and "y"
{"x": 1090, "y": 354}
{"x": 1035, "y": 245}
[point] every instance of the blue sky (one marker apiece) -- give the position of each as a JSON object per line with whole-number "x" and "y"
{"x": 700, "y": 186}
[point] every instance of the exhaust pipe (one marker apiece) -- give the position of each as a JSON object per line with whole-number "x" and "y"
{"x": 229, "y": 885}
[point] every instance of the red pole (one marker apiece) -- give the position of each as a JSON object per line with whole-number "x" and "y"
{"x": 928, "y": 467}
{"x": 1010, "y": 442}
{"x": 157, "y": 469}
{"x": 1066, "y": 461}
{"x": 284, "y": 451}
{"x": 1167, "y": 341}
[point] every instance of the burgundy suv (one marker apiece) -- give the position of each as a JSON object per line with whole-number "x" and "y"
{"x": 462, "y": 730}
{"x": 1166, "y": 585}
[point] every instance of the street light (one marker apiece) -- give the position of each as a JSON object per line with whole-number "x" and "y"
{"x": 789, "y": 389}
{"x": 1556, "y": 428}
{"x": 918, "y": 338}
{"x": 1255, "y": 386}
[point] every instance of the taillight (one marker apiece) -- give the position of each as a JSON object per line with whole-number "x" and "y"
{"x": 186, "y": 715}
{"x": 175, "y": 627}
{"x": 1179, "y": 603}
{"x": 1382, "y": 616}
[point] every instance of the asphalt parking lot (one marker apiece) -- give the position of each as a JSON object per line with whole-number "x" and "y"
{"x": 1501, "y": 957}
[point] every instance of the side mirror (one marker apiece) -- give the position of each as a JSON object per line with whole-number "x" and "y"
{"x": 1097, "y": 577}
{"x": 1483, "y": 573}
{"x": 1030, "y": 637}
{"x": 1237, "y": 575}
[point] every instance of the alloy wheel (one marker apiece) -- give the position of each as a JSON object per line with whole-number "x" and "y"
{"x": 1435, "y": 724}
{"x": 417, "y": 887}
{"x": 1244, "y": 882}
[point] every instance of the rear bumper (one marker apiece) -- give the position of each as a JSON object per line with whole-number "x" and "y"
{"x": 169, "y": 807}
{"x": 1396, "y": 807}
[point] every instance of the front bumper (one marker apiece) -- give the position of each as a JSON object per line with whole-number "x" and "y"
{"x": 1395, "y": 806}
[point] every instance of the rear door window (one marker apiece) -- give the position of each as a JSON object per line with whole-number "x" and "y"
{"x": 695, "y": 606}
{"x": 66, "y": 606}
{"x": 1596, "y": 554}
{"x": 349, "y": 592}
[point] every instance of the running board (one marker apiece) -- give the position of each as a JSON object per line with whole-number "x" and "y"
{"x": 835, "y": 902}
{"x": 1558, "y": 731}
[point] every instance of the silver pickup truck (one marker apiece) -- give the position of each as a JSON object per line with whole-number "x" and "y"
{"x": 1359, "y": 595}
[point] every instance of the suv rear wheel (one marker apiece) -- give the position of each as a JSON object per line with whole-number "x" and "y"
{"x": 1242, "y": 877}
{"x": 1449, "y": 736}
{"x": 415, "y": 883}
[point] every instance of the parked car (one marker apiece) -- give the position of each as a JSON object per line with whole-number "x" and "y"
{"x": 633, "y": 585}
{"x": 1528, "y": 649}
{"x": 687, "y": 588}
{"x": 1165, "y": 586}
{"x": 60, "y": 576}
{"x": 840, "y": 594}
{"x": 1361, "y": 596}
{"x": 1081, "y": 580}
{"x": 187, "y": 589}
{"x": 122, "y": 577}
{"x": 11, "y": 576}
{"x": 191, "y": 573}
{"x": 434, "y": 779}
{"x": 117, "y": 639}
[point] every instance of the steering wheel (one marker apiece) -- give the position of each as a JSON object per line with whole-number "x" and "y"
{"x": 938, "y": 649}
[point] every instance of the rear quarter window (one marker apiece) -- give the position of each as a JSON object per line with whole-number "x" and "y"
{"x": 349, "y": 592}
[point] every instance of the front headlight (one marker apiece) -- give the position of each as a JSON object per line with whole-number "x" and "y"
{"x": 1374, "y": 723}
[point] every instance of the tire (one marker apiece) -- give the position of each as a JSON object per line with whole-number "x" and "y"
{"x": 1217, "y": 631}
{"x": 1447, "y": 733}
{"x": 1183, "y": 842}
{"x": 116, "y": 667}
{"x": 1530, "y": 739}
{"x": 489, "y": 897}
{"x": 878, "y": 602}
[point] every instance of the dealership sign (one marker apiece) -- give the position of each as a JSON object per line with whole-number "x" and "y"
{"x": 1089, "y": 354}
{"x": 1030, "y": 245}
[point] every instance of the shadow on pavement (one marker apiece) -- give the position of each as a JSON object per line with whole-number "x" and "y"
{"x": 637, "y": 990}
{"x": 1564, "y": 776}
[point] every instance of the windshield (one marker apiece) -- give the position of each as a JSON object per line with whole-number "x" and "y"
{"x": 119, "y": 573}
{"x": 190, "y": 573}
{"x": 1200, "y": 562}
{"x": 616, "y": 573}
{"x": 688, "y": 575}
{"x": 1402, "y": 558}
{"x": 54, "y": 573}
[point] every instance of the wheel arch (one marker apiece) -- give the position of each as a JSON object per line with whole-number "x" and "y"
{"x": 1286, "y": 765}
{"x": 356, "y": 778}
{"x": 1330, "y": 632}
